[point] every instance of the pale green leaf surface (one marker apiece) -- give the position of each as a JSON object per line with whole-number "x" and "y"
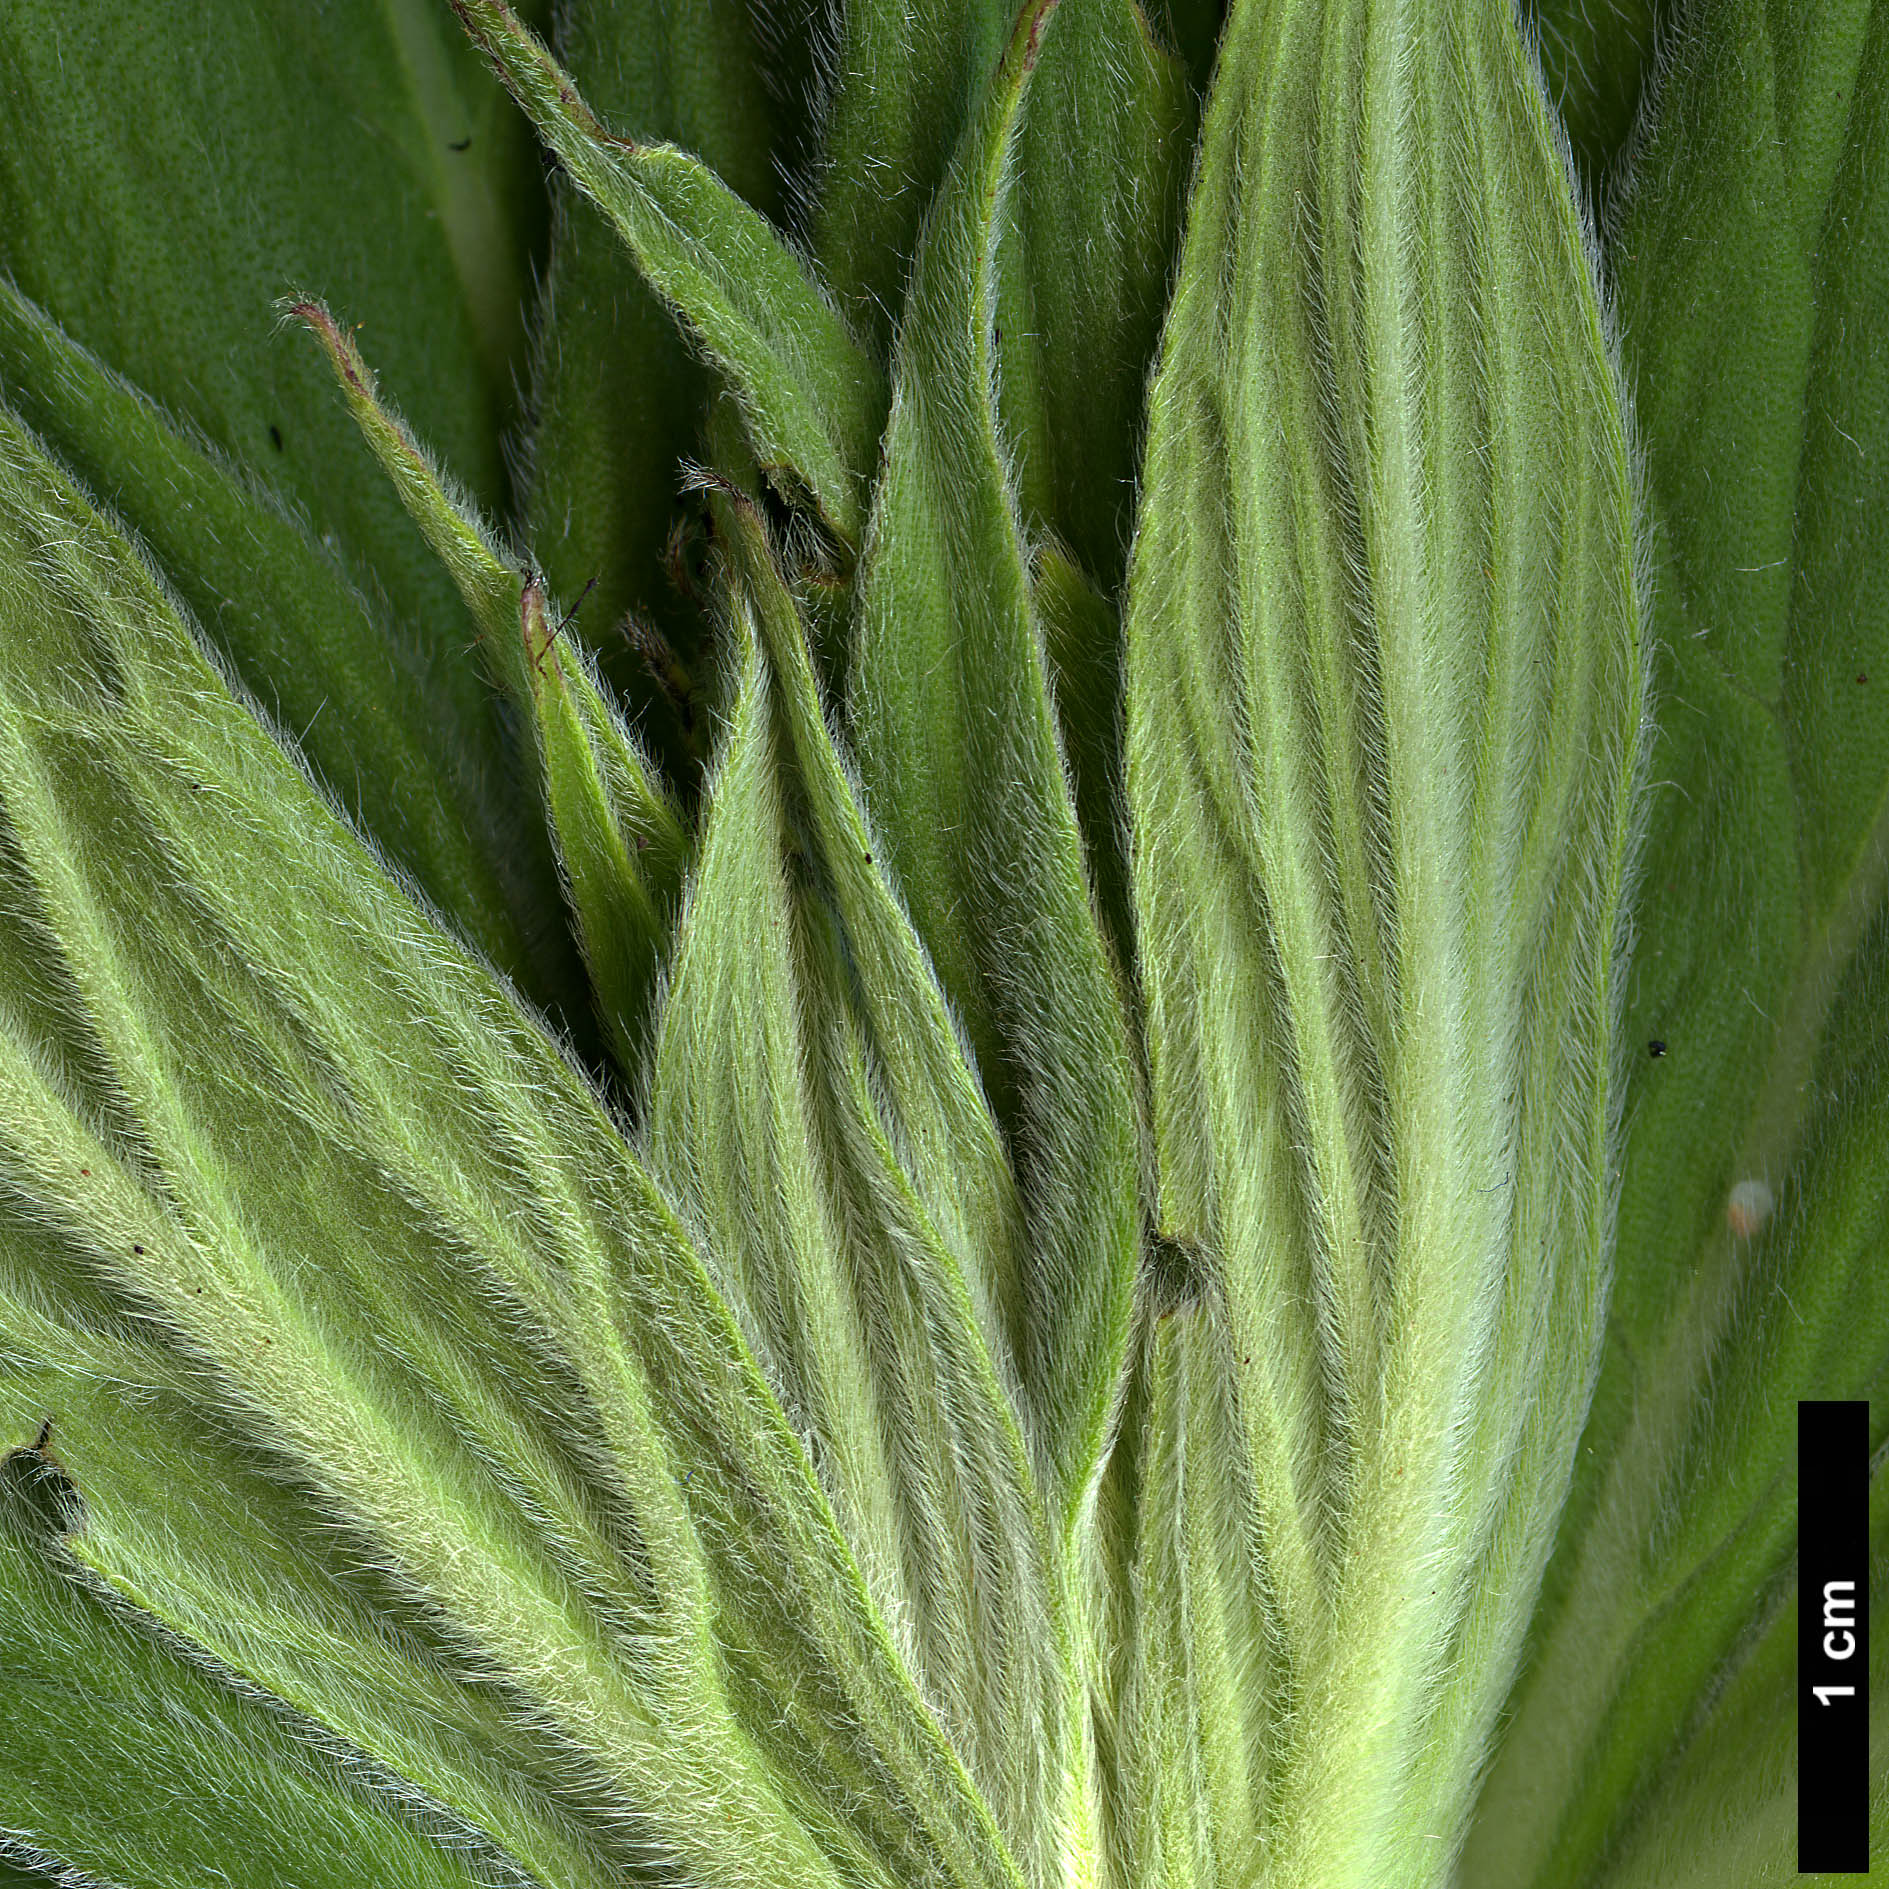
{"x": 1383, "y": 682}
{"x": 617, "y": 395}
{"x": 168, "y": 170}
{"x": 403, "y": 733}
{"x": 619, "y": 839}
{"x": 410, "y": 1221}
{"x": 1200, "y": 1718}
{"x": 1753, "y": 263}
{"x": 964, "y": 775}
{"x": 811, "y": 1114}
{"x": 812, "y": 400}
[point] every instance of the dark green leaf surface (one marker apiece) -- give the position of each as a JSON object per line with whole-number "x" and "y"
{"x": 1754, "y": 273}
{"x": 906, "y": 85}
{"x": 619, "y": 398}
{"x": 168, "y": 170}
{"x": 1598, "y": 61}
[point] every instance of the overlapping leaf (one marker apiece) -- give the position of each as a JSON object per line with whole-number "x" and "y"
{"x": 618, "y": 399}
{"x": 475, "y": 1335}
{"x": 167, "y": 171}
{"x": 812, "y": 399}
{"x": 380, "y": 716}
{"x": 812, "y": 1113}
{"x": 620, "y": 842}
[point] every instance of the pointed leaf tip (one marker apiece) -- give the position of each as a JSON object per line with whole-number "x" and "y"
{"x": 812, "y": 400}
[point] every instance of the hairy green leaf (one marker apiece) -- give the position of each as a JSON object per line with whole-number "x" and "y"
{"x": 168, "y": 171}
{"x": 812, "y": 1115}
{"x": 904, "y": 88}
{"x": 618, "y": 398}
{"x": 477, "y": 1333}
{"x": 1383, "y": 702}
{"x": 403, "y": 735}
{"x": 1753, "y": 261}
{"x": 812, "y": 400}
{"x": 130, "y": 1762}
{"x": 964, "y": 775}
{"x": 1092, "y": 223}
{"x": 620, "y": 842}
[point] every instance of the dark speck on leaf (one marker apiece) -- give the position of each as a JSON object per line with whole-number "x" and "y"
{"x": 464, "y": 144}
{"x": 275, "y": 437}
{"x": 1656, "y": 1049}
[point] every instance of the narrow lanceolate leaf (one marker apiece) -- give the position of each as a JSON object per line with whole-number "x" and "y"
{"x": 619, "y": 840}
{"x": 618, "y": 398}
{"x": 1753, "y": 1211}
{"x": 1093, "y": 223}
{"x": 905, "y": 85}
{"x": 1384, "y": 691}
{"x": 812, "y": 399}
{"x": 389, "y": 724}
{"x": 1198, "y": 1703}
{"x": 784, "y": 1121}
{"x": 295, "y": 1611}
{"x": 390, "y": 1230}
{"x": 964, "y": 775}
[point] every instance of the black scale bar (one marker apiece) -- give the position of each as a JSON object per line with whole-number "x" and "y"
{"x": 1833, "y": 1637}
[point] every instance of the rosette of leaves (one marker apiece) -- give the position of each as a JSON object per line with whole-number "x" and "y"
{"x": 827, "y": 1052}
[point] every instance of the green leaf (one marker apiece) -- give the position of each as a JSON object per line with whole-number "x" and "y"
{"x": 905, "y": 88}
{"x": 296, "y": 1610}
{"x": 129, "y": 1762}
{"x": 618, "y": 396}
{"x": 964, "y": 777}
{"x": 1753, "y": 263}
{"x": 813, "y": 1117}
{"x": 619, "y": 839}
{"x": 812, "y": 401}
{"x": 369, "y": 1200}
{"x": 1727, "y": 1807}
{"x": 1384, "y": 684}
{"x": 1199, "y": 1704}
{"x": 168, "y": 171}
{"x": 1598, "y": 63}
{"x": 1093, "y": 222}
{"x": 403, "y": 733}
